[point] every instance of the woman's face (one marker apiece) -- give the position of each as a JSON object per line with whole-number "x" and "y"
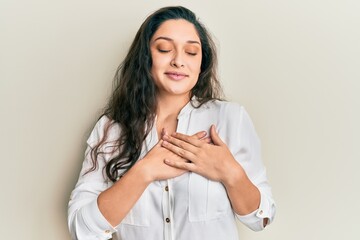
{"x": 176, "y": 57}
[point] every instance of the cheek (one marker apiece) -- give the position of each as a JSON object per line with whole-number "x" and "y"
{"x": 159, "y": 60}
{"x": 155, "y": 68}
{"x": 155, "y": 61}
{"x": 196, "y": 65}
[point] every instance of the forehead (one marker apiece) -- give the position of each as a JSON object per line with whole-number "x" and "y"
{"x": 178, "y": 30}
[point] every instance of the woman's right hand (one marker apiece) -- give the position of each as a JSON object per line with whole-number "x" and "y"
{"x": 153, "y": 164}
{"x": 116, "y": 201}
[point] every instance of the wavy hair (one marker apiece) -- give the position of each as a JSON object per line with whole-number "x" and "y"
{"x": 132, "y": 104}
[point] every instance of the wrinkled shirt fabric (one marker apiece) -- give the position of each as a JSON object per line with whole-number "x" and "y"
{"x": 182, "y": 208}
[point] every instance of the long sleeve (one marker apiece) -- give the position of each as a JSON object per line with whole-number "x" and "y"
{"x": 85, "y": 220}
{"x": 199, "y": 207}
{"x": 248, "y": 154}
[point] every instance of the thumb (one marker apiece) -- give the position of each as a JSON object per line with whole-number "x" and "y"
{"x": 163, "y": 132}
{"x": 215, "y": 137}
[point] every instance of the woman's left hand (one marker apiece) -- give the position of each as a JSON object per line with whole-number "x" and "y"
{"x": 213, "y": 161}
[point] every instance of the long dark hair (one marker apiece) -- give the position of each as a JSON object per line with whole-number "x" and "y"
{"x": 132, "y": 104}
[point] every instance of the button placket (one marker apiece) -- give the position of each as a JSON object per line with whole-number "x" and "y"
{"x": 166, "y": 205}
{"x": 168, "y": 198}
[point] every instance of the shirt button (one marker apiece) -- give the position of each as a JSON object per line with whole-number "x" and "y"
{"x": 167, "y": 220}
{"x": 261, "y": 212}
{"x": 107, "y": 231}
{"x": 167, "y": 188}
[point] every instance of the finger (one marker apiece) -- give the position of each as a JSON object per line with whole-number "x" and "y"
{"x": 199, "y": 135}
{"x": 207, "y": 140}
{"x": 181, "y": 165}
{"x": 164, "y": 132}
{"x": 159, "y": 143}
{"x": 181, "y": 144}
{"x": 215, "y": 137}
{"x": 178, "y": 150}
{"x": 187, "y": 138}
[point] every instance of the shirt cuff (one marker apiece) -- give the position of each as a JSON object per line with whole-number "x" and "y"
{"x": 96, "y": 222}
{"x": 255, "y": 219}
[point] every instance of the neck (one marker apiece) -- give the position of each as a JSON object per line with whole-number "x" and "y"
{"x": 170, "y": 105}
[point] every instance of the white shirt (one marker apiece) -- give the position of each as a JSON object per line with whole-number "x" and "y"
{"x": 186, "y": 207}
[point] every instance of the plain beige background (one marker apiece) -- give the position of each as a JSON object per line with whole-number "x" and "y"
{"x": 295, "y": 66}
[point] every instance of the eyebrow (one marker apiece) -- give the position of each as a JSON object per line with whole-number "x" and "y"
{"x": 172, "y": 40}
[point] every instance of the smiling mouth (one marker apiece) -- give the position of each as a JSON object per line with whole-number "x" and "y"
{"x": 176, "y": 75}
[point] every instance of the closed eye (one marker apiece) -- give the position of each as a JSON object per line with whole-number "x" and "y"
{"x": 192, "y": 53}
{"x": 163, "y": 50}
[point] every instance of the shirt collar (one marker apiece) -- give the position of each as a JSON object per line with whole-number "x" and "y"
{"x": 188, "y": 107}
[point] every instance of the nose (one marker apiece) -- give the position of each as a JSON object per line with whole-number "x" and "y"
{"x": 177, "y": 61}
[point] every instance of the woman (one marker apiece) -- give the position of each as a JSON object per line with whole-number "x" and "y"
{"x": 168, "y": 159}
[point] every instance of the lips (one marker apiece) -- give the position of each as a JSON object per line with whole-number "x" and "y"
{"x": 176, "y": 75}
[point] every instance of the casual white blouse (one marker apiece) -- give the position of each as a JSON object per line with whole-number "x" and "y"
{"x": 182, "y": 208}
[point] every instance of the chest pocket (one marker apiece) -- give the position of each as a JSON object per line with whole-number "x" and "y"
{"x": 208, "y": 200}
{"x": 139, "y": 214}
